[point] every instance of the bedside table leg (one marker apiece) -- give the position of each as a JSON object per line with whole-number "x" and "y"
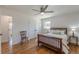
{"x": 77, "y": 41}
{"x": 69, "y": 40}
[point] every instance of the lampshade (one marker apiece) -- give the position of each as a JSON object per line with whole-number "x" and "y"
{"x": 73, "y": 28}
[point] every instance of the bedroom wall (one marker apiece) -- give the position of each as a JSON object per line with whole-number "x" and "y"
{"x": 21, "y": 22}
{"x": 66, "y": 20}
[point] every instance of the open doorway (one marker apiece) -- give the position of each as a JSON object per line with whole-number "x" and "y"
{"x": 6, "y": 30}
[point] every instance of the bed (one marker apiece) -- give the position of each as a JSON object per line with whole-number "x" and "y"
{"x": 54, "y": 41}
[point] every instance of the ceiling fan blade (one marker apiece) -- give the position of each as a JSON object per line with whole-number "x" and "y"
{"x": 48, "y": 11}
{"x": 36, "y": 10}
{"x": 45, "y": 7}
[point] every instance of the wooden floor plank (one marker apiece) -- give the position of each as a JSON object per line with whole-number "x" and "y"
{"x": 31, "y": 48}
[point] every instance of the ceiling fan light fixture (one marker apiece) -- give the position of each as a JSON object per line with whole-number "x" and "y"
{"x": 42, "y": 13}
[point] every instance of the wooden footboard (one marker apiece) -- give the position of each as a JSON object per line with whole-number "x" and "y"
{"x": 51, "y": 42}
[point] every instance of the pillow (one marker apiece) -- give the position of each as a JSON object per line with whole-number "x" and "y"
{"x": 60, "y": 32}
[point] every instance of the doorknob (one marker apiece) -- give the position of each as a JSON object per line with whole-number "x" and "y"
{"x": 0, "y": 34}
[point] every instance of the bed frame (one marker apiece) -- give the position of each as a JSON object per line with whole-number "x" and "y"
{"x": 52, "y": 42}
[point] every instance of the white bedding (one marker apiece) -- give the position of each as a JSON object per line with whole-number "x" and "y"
{"x": 64, "y": 40}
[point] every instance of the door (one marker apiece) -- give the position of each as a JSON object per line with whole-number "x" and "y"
{"x": 0, "y": 43}
{"x": 0, "y": 35}
{"x": 6, "y": 30}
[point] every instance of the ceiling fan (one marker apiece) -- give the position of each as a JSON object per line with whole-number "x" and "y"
{"x": 43, "y": 10}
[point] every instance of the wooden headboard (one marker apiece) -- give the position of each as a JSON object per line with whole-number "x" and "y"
{"x": 65, "y": 29}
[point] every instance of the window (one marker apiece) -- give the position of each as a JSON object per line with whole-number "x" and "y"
{"x": 47, "y": 25}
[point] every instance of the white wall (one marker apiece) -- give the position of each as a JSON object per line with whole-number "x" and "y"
{"x": 32, "y": 28}
{"x": 20, "y": 22}
{"x": 66, "y": 20}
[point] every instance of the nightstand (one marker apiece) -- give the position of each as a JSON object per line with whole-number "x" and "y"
{"x": 75, "y": 38}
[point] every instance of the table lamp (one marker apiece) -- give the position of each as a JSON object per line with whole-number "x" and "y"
{"x": 73, "y": 30}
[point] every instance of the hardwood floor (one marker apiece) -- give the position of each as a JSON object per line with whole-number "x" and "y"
{"x": 74, "y": 49}
{"x": 28, "y": 48}
{"x": 31, "y": 48}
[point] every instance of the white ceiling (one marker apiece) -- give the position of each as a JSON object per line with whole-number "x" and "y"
{"x": 58, "y": 9}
